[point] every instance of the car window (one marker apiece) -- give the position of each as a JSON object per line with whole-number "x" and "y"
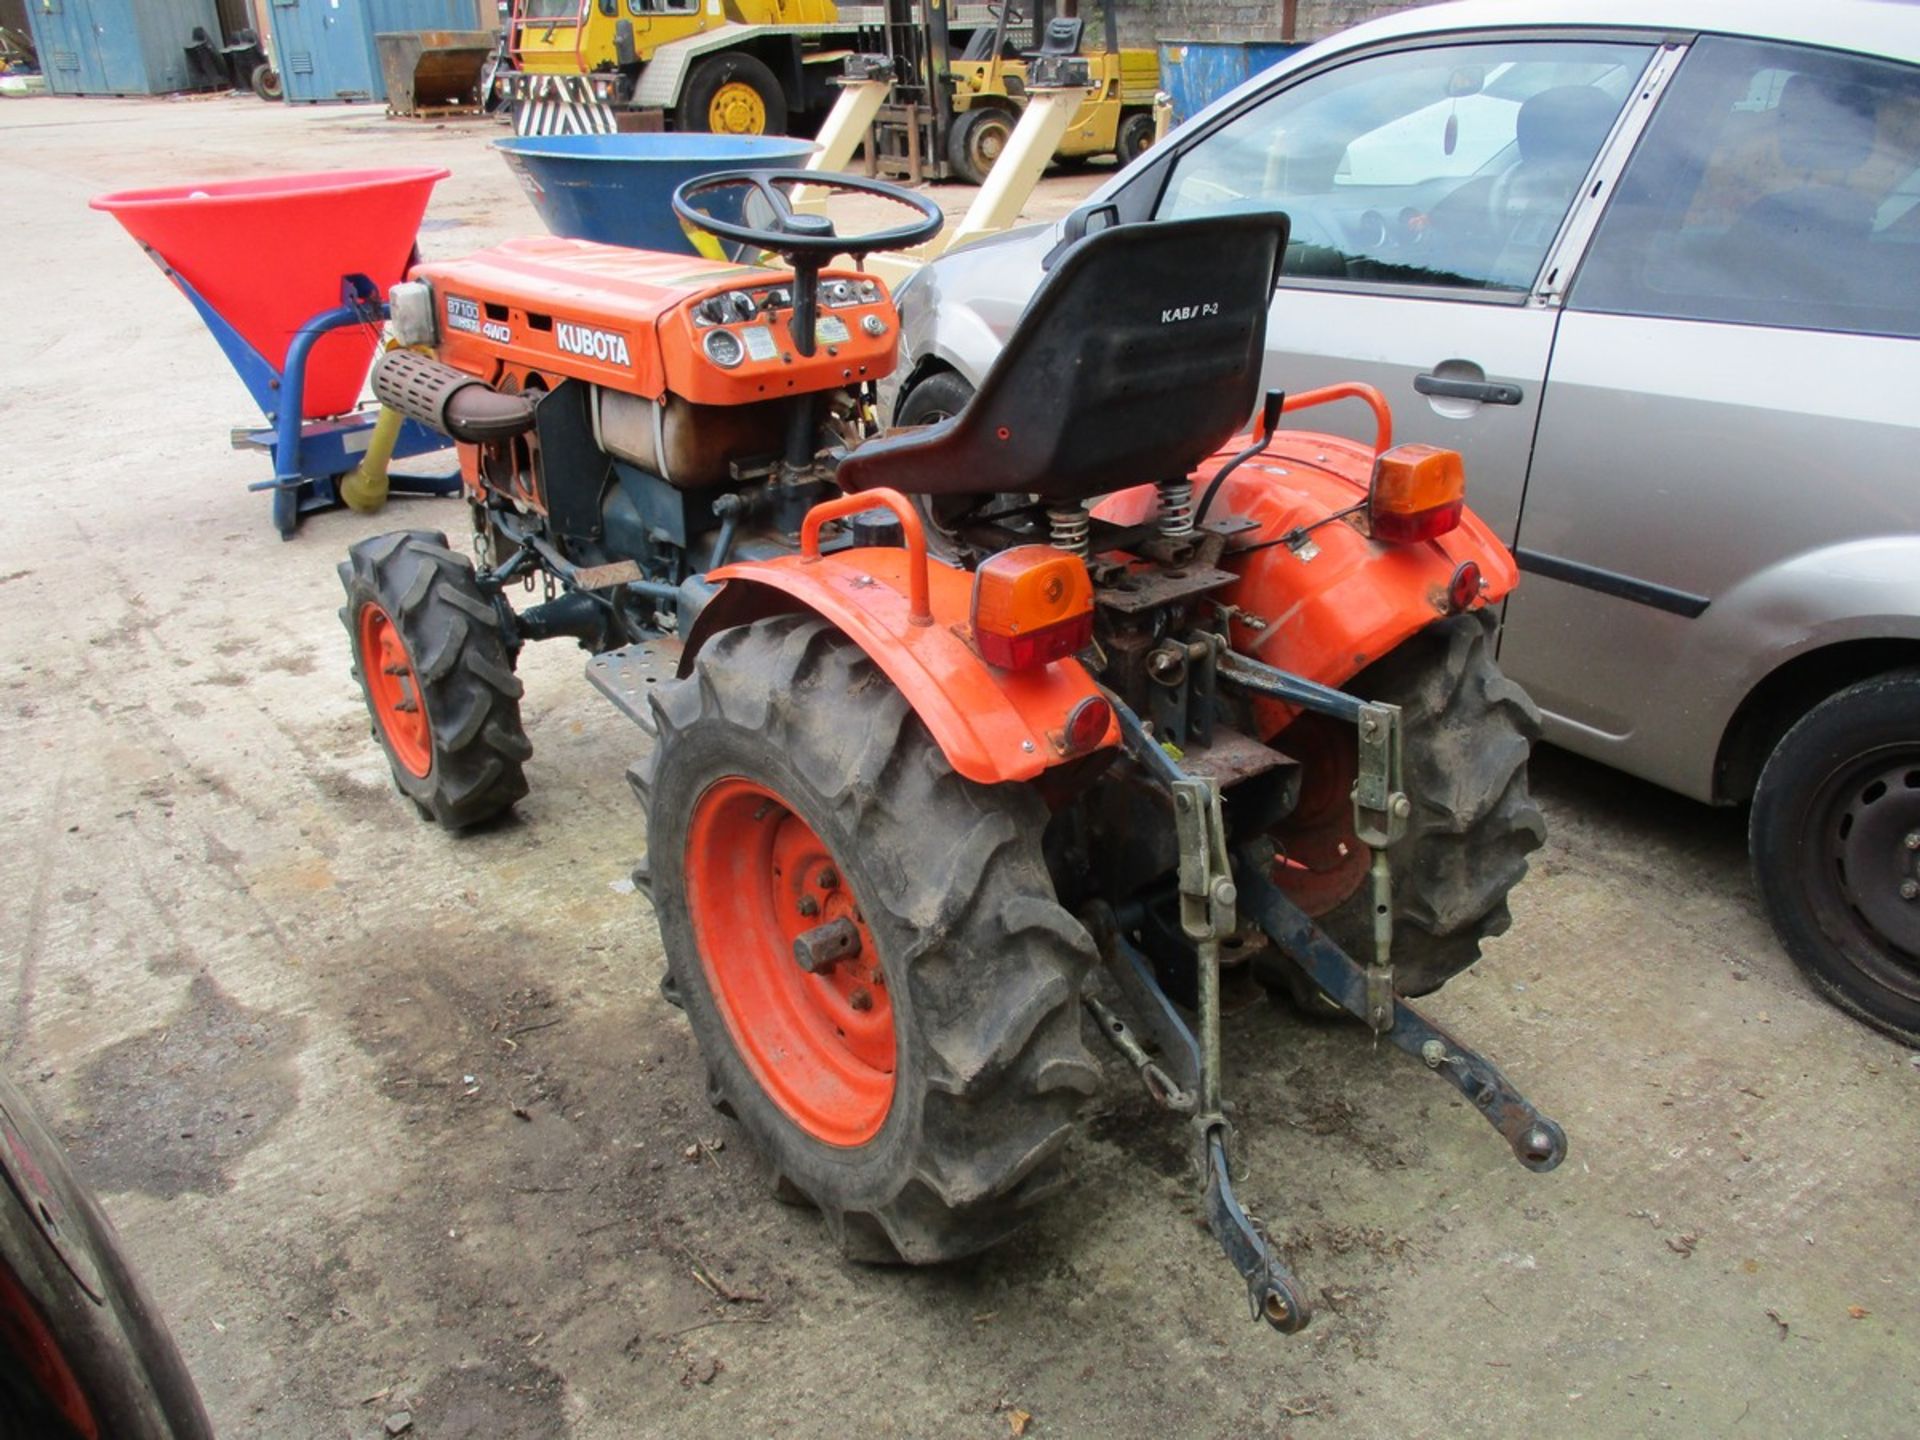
{"x": 1450, "y": 166}
{"x": 1774, "y": 186}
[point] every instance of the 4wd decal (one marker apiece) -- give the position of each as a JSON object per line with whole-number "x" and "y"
{"x": 593, "y": 344}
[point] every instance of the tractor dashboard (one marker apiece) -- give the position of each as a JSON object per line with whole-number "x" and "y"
{"x": 737, "y": 346}
{"x": 651, "y": 324}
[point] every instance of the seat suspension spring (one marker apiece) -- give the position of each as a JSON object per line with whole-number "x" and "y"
{"x": 1069, "y": 526}
{"x": 1176, "y": 508}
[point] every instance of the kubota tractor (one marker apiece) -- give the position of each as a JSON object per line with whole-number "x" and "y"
{"x": 949, "y": 772}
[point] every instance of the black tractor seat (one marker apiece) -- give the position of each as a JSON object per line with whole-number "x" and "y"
{"x": 1137, "y": 358}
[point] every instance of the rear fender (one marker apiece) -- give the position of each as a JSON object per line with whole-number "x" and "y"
{"x": 1330, "y": 608}
{"x": 993, "y": 725}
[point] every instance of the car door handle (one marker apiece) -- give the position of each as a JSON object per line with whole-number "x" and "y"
{"x": 1493, "y": 392}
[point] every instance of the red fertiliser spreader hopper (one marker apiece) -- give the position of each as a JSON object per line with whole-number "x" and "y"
{"x": 291, "y": 274}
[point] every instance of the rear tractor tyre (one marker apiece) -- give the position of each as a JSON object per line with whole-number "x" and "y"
{"x": 920, "y": 1090}
{"x": 1835, "y": 839}
{"x": 1468, "y": 732}
{"x": 976, "y": 140}
{"x": 437, "y": 676}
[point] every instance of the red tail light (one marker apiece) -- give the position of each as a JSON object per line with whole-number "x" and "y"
{"x": 1417, "y": 494}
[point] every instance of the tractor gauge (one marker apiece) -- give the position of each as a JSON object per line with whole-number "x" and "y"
{"x": 723, "y": 348}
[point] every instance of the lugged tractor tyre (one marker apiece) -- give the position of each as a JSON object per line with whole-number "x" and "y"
{"x": 424, "y": 635}
{"x": 1468, "y": 732}
{"x": 786, "y": 753}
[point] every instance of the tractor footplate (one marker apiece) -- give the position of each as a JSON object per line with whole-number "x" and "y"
{"x": 1537, "y": 1142}
{"x": 626, "y": 676}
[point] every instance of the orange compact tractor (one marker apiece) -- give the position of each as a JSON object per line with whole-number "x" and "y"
{"x": 952, "y": 769}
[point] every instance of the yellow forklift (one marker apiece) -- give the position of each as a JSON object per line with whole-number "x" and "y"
{"x": 990, "y": 78}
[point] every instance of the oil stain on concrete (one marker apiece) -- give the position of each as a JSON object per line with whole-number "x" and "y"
{"x": 174, "y": 1108}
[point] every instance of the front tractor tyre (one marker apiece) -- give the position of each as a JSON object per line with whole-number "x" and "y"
{"x": 437, "y": 676}
{"x": 1835, "y": 839}
{"x": 883, "y": 986}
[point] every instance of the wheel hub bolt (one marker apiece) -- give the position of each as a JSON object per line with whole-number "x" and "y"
{"x": 809, "y": 906}
{"x": 828, "y": 879}
{"x": 860, "y": 999}
{"x": 1909, "y": 889}
{"x": 1913, "y": 841}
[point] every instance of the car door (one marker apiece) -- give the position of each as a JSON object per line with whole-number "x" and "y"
{"x": 1728, "y": 427}
{"x": 1427, "y": 184}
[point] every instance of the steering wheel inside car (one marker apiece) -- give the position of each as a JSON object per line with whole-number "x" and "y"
{"x": 806, "y": 241}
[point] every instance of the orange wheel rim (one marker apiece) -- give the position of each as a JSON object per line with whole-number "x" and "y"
{"x": 395, "y": 691}
{"x": 820, "y": 1045}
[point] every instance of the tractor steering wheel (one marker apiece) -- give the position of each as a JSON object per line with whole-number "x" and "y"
{"x": 804, "y": 240}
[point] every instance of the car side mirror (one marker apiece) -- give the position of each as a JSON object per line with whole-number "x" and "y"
{"x": 1087, "y": 220}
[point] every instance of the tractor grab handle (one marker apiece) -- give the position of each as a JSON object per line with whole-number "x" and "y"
{"x": 921, "y": 611}
{"x": 1350, "y": 390}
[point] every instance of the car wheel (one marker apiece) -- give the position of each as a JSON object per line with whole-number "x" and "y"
{"x": 1835, "y": 837}
{"x": 938, "y": 397}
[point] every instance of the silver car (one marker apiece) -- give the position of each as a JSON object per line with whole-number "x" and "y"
{"x": 1655, "y": 269}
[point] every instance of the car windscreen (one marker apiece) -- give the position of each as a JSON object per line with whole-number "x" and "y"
{"x": 1452, "y": 165}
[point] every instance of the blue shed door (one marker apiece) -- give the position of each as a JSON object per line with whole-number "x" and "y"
{"x": 63, "y": 33}
{"x": 322, "y": 50}
{"x": 116, "y": 31}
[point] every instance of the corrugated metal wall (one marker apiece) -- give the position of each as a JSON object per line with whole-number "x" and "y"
{"x": 325, "y": 48}
{"x": 118, "y": 47}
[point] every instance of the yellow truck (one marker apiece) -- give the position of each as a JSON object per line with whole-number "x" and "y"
{"x": 733, "y": 67}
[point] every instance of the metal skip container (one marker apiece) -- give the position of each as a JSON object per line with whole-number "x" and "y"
{"x": 433, "y": 72}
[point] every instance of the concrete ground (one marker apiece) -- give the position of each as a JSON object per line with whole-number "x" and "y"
{"x": 393, "y": 1121}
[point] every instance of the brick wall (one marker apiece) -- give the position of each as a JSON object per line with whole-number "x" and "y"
{"x": 1148, "y": 22}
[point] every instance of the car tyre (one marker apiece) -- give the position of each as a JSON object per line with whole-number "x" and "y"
{"x": 1835, "y": 840}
